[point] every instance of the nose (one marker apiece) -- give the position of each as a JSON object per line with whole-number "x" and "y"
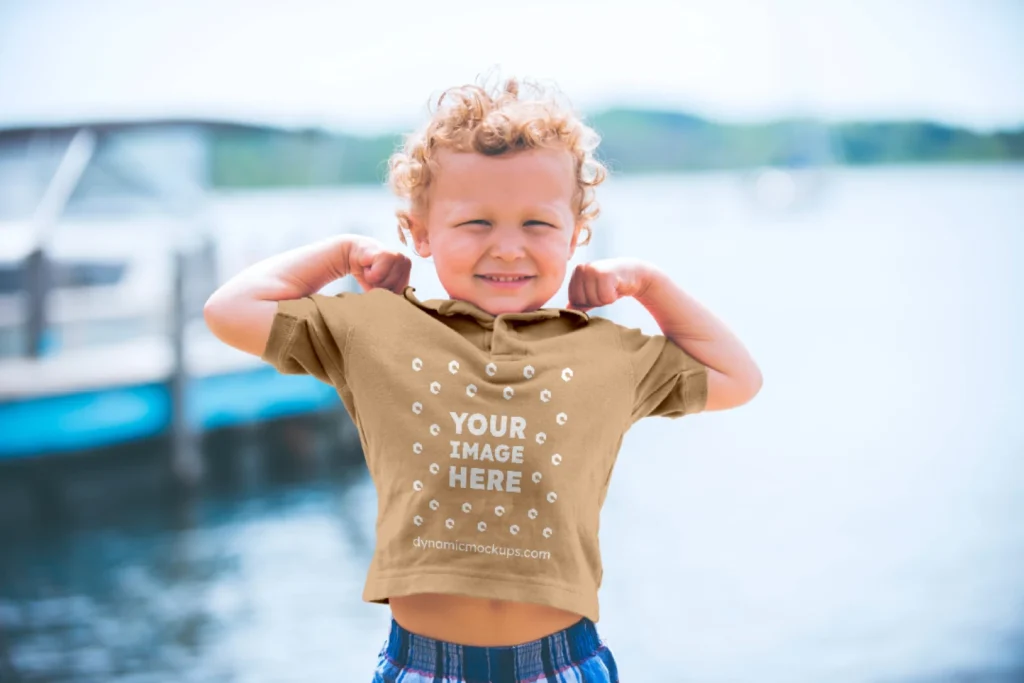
{"x": 507, "y": 244}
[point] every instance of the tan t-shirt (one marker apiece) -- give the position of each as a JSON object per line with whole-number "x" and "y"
{"x": 490, "y": 439}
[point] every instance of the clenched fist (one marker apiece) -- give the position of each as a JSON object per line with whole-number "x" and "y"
{"x": 603, "y": 282}
{"x": 375, "y": 266}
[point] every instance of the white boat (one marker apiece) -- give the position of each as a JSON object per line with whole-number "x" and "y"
{"x": 107, "y": 351}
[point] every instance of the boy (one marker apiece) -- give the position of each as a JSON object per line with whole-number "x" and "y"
{"x": 490, "y": 424}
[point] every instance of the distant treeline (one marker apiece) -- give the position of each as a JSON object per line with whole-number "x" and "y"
{"x": 633, "y": 141}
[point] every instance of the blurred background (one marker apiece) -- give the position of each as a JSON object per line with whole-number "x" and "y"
{"x": 840, "y": 183}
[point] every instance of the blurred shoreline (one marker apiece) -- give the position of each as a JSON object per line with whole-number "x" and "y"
{"x": 260, "y": 154}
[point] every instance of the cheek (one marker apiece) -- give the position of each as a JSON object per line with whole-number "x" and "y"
{"x": 453, "y": 251}
{"x": 554, "y": 251}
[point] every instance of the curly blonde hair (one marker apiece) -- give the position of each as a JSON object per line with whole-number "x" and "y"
{"x": 497, "y": 121}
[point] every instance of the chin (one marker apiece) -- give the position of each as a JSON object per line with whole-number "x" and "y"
{"x": 497, "y": 303}
{"x": 496, "y": 306}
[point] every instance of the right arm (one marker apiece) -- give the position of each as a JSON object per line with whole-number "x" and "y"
{"x": 240, "y": 313}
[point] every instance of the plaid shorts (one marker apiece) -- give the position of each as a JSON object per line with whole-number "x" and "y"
{"x": 575, "y": 655}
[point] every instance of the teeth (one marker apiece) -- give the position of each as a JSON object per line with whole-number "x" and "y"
{"x": 504, "y": 279}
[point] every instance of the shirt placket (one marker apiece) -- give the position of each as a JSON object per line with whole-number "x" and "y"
{"x": 505, "y": 341}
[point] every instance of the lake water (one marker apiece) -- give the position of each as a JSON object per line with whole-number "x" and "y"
{"x": 861, "y": 521}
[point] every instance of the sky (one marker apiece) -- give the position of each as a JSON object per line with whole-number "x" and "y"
{"x": 372, "y": 66}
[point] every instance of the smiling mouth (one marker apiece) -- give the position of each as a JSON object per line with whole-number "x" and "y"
{"x": 505, "y": 278}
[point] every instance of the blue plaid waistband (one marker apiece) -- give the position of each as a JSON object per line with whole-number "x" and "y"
{"x": 538, "y": 660}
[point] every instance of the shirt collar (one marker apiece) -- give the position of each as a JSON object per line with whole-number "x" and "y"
{"x": 452, "y": 307}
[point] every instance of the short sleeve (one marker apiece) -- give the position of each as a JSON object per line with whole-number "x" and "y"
{"x": 667, "y": 381}
{"x": 309, "y": 336}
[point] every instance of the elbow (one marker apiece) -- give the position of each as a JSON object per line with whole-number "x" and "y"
{"x": 212, "y": 316}
{"x": 731, "y": 391}
{"x": 242, "y": 323}
{"x": 747, "y": 386}
{"x": 750, "y": 385}
{"x": 756, "y": 382}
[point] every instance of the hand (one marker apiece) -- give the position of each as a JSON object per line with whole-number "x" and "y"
{"x": 375, "y": 266}
{"x": 603, "y": 282}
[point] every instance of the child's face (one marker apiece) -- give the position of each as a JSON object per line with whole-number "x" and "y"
{"x": 501, "y": 229}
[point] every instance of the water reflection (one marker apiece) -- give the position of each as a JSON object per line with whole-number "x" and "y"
{"x": 255, "y": 569}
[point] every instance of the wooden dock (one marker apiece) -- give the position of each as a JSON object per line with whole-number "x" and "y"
{"x": 102, "y": 396}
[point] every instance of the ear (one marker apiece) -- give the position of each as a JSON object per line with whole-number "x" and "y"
{"x": 420, "y": 238}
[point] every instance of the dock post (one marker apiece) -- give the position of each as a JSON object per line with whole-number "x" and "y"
{"x": 186, "y": 455}
{"x": 38, "y": 280}
{"x": 37, "y": 268}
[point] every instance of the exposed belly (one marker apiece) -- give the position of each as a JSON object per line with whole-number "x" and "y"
{"x": 477, "y": 621}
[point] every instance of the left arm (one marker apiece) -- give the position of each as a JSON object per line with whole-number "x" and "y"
{"x": 733, "y": 376}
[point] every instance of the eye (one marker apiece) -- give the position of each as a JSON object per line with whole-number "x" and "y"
{"x": 478, "y": 221}
{"x": 542, "y": 223}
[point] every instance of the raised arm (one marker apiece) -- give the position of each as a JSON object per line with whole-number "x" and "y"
{"x": 240, "y": 313}
{"x": 733, "y": 376}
